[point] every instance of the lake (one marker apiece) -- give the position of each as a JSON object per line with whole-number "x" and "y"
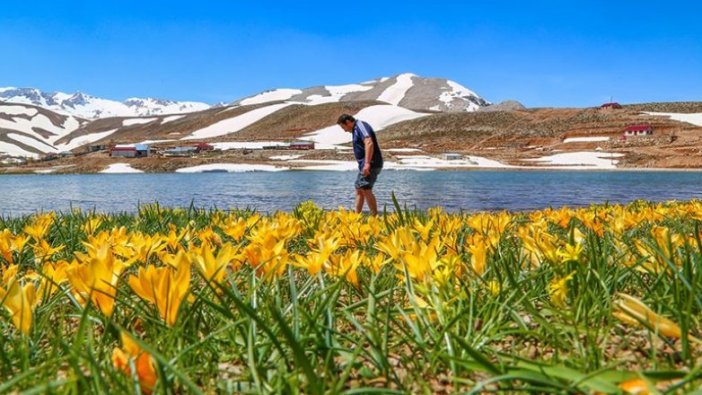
{"x": 454, "y": 190}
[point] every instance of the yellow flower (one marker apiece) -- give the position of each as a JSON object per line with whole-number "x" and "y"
{"x": 43, "y": 251}
{"x": 635, "y": 387}
{"x": 19, "y": 302}
{"x": 571, "y": 253}
{"x": 174, "y": 237}
{"x": 478, "y": 251}
{"x": 632, "y": 311}
{"x": 344, "y": 266}
{"x": 211, "y": 266}
{"x": 40, "y": 226}
{"x": 176, "y": 260}
{"x": 91, "y": 225}
{"x": 52, "y": 276}
{"x": 164, "y": 287}
{"x": 558, "y": 290}
{"x": 143, "y": 247}
{"x": 143, "y": 363}
{"x": 494, "y": 287}
{"x": 94, "y": 277}
{"x": 320, "y": 252}
{"x": 423, "y": 230}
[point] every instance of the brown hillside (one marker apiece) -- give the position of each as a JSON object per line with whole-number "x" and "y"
{"x": 157, "y": 130}
{"x": 294, "y": 121}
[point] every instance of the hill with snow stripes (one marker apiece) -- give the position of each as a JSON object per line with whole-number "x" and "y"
{"x": 405, "y": 90}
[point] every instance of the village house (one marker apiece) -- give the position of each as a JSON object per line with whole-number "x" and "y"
{"x": 611, "y": 106}
{"x": 637, "y": 131}
{"x": 179, "y": 151}
{"x": 130, "y": 151}
{"x": 451, "y": 156}
{"x": 97, "y": 147}
{"x": 188, "y": 150}
{"x": 301, "y": 145}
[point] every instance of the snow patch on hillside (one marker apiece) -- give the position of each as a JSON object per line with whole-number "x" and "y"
{"x": 269, "y": 96}
{"x": 172, "y": 118}
{"x": 120, "y": 168}
{"x": 247, "y": 145}
{"x": 137, "y": 121}
{"x": 396, "y": 92}
{"x": 32, "y": 142}
{"x": 577, "y": 160}
{"x": 336, "y": 93}
{"x": 586, "y": 139}
{"x": 13, "y": 150}
{"x": 230, "y": 168}
{"x": 235, "y": 124}
{"x": 18, "y": 110}
{"x": 457, "y": 91}
{"x": 379, "y": 117}
{"x": 83, "y": 140}
{"x": 695, "y": 118}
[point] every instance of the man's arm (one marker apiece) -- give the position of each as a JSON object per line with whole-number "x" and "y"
{"x": 368, "y": 142}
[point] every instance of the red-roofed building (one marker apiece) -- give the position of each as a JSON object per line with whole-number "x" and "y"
{"x": 638, "y": 130}
{"x": 611, "y": 106}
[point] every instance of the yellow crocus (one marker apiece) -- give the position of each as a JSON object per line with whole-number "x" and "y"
{"x": 144, "y": 365}
{"x": 19, "y": 301}
{"x": 43, "y": 251}
{"x": 570, "y": 253}
{"x": 95, "y": 278}
{"x": 38, "y": 228}
{"x": 164, "y": 287}
{"x": 53, "y": 274}
{"x": 91, "y": 225}
{"x": 632, "y": 311}
{"x": 213, "y": 266}
{"x": 558, "y": 290}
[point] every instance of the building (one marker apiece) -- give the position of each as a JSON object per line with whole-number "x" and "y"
{"x": 611, "y": 106}
{"x": 130, "y": 151}
{"x": 301, "y": 145}
{"x": 451, "y": 156}
{"x": 123, "y": 151}
{"x": 202, "y": 147}
{"x": 180, "y": 151}
{"x": 10, "y": 160}
{"x": 97, "y": 147}
{"x": 638, "y": 131}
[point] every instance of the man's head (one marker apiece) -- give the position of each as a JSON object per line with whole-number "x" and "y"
{"x": 346, "y": 122}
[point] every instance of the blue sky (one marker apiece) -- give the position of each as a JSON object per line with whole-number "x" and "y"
{"x": 543, "y": 53}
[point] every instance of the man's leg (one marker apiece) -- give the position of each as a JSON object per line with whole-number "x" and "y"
{"x": 372, "y": 205}
{"x": 359, "y": 199}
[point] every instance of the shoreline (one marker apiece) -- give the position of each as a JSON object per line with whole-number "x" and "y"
{"x": 282, "y": 169}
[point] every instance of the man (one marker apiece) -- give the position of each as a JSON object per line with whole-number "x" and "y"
{"x": 369, "y": 157}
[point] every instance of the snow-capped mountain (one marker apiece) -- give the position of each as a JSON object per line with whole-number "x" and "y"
{"x": 404, "y": 90}
{"x": 33, "y": 122}
{"x": 90, "y": 107}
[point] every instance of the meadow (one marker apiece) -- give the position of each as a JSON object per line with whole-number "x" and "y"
{"x": 600, "y": 299}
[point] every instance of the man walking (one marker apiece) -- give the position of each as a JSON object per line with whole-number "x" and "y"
{"x": 369, "y": 157}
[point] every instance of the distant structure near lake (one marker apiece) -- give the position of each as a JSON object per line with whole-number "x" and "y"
{"x": 611, "y": 106}
{"x": 637, "y": 131}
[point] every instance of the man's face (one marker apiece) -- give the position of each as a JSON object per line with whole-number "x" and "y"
{"x": 347, "y": 126}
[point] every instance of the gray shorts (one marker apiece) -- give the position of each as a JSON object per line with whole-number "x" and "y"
{"x": 367, "y": 182}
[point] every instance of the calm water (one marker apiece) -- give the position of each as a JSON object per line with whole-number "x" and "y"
{"x": 454, "y": 190}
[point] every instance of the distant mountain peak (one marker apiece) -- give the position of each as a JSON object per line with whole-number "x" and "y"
{"x": 83, "y": 105}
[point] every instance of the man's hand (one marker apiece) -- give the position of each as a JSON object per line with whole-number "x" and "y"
{"x": 366, "y": 170}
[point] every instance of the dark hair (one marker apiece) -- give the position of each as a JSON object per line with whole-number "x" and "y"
{"x": 345, "y": 118}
